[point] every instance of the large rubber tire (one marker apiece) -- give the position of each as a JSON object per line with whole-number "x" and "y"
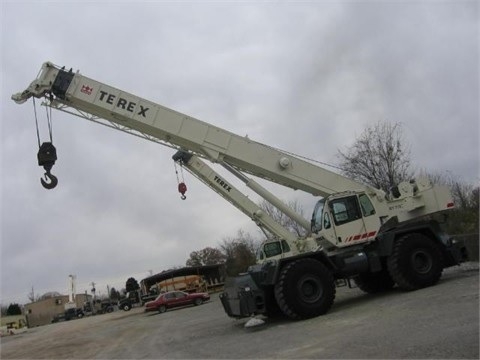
{"x": 416, "y": 262}
{"x": 305, "y": 289}
{"x": 126, "y": 307}
{"x": 373, "y": 283}
{"x": 162, "y": 309}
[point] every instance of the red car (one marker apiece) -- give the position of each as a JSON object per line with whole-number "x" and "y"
{"x": 174, "y": 299}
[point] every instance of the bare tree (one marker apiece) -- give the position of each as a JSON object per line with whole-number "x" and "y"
{"x": 283, "y": 219}
{"x": 379, "y": 157}
{"x": 464, "y": 219}
{"x": 31, "y": 296}
{"x": 114, "y": 294}
{"x": 239, "y": 252}
{"x": 207, "y": 256}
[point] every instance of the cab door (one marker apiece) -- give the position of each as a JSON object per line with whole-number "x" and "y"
{"x": 354, "y": 219}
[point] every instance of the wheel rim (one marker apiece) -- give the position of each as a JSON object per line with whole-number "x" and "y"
{"x": 310, "y": 289}
{"x": 422, "y": 261}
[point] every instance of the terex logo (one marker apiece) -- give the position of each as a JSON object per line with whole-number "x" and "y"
{"x": 222, "y": 183}
{"x": 122, "y": 103}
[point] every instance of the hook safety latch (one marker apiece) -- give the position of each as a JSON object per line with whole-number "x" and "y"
{"x": 47, "y": 155}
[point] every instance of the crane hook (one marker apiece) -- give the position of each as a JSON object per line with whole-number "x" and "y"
{"x": 53, "y": 181}
{"x": 182, "y": 189}
{"x": 47, "y": 155}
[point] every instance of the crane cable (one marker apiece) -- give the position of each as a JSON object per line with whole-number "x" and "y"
{"x": 49, "y": 121}
{"x": 47, "y": 154}
{"x": 36, "y": 121}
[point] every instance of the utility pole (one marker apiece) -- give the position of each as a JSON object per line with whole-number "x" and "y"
{"x": 31, "y": 296}
{"x": 93, "y": 292}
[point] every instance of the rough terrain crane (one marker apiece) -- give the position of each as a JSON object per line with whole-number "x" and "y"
{"x": 377, "y": 239}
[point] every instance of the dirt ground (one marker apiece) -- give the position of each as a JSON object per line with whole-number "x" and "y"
{"x": 438, "y": 322}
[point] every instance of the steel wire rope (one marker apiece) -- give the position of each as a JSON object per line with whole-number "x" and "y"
{"x": 36, "y": 121}
{"x": 49, "y": 122}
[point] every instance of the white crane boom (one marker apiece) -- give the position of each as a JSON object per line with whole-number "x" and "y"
{"x": 125, "y": 110}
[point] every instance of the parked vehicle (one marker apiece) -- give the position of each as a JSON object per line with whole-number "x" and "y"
{"x": 69, "y": 314}
{"x": 148, "y": 297}
{"x": 106, "y": 307}
{"x": 174, "y": 299}
{"x": 125, "y": 304}
{"x": 74, "y": 314}
{"x": 135, "y": 297}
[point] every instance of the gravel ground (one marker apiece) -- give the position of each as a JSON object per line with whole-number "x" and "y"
{"x": 438, "y": 322}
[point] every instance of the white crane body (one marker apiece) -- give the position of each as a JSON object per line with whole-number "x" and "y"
{"x": 360, "y": 232}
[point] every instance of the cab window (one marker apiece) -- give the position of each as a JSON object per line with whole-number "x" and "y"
{"x": 326, "y": 221}
{"x": 285, "y": 246}
{"x": 272, "y": 248}
{"x": 366, "y": 205}
{"x": 316, "y": 222}
{"x": 345, "y": 210}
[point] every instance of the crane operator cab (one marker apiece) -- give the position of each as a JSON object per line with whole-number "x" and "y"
{"x": 345, "y": 219}
{"x": 273, "y": 249}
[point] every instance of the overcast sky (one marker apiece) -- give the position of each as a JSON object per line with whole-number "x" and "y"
{"x": 306, "y": 77}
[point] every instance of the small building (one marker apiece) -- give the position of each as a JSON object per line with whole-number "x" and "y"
{"x": 43, "y": 311}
